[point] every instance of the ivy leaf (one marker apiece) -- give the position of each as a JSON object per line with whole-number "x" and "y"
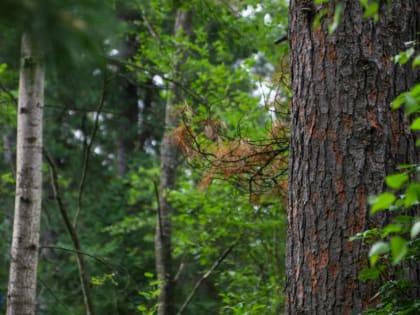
{"x": 399, "y": 249}
{"x": 415, "y": 230}
{"x": 396, "y": 181}
{"x": 382, "y": 202}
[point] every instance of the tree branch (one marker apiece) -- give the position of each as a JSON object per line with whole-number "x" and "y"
{"x": 73, "y": 234}
{"x": 206, "y": 275}
{"x": 87, "y": 153}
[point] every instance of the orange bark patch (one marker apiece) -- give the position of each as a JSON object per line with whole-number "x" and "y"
{"x": 319, "y": 134}
{"x": 332, "y": 53}
{"x": 395, "y": 132}
{"x": 333, "y": 269}
{"x": 339, "y": 188}
{"x": 373, "y": 121}
{"x": 330, "y": 214}
{"x": 369, "y": 47}
{"x": 385, "y": 59}
{"x": 373, "y": 96}
{"x": 320, "y": 37}
{"x": 356, "y": 221}
{"x": 338, "y": 156}
{"x": 293, "y": 39}
{"x": 331, "y": 134}
{"x": 323, "y": 258}
{"x": 361, "y": 197}
{"x": 348, "y": 122}
{"x": 312, "y": 122}
{"x": 349, "y": 288}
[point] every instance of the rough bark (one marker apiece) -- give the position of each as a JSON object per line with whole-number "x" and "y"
{"x": 21, "y": 297}
{"x": 168, "y": 163}
{"x": 344, "y": 140}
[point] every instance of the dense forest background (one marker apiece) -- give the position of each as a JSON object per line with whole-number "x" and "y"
{"x": 110, "y": 70}
{"x": 180, "y": 145}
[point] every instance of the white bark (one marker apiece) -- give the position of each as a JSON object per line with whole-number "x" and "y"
{"x": 21, "y": 298}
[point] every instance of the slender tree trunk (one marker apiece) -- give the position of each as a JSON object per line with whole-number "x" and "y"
{"x": 168, "y": 164}
{"x": 21, "y": 298}
{"x": 344, "y": 140}
{"x": 129, "y": 120}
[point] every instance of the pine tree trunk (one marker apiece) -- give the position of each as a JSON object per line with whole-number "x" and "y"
{"x": 21, "y": 298}
{"x": 344, "y": 140}
{"x": 169, "y": 160}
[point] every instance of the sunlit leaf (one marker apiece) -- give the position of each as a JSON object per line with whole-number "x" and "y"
{"x": 415, "y": 230}
{"x": 383, "y": 201}
{"x": 396, "y": 181}
{"x": 396, "y": 104}
{"x": 412, "y": 195}
{"x": 379, "y": 248}
{"x": 416, "y": 61}
{"x": 416, "y": 124}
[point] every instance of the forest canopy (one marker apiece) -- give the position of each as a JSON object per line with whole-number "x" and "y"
{"x": 209, "y": 157}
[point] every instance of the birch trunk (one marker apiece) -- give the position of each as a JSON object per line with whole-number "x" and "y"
{"x": 169, "y": 160}
{"x": 21, "y": 298}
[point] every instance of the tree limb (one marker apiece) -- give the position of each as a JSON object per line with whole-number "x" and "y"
{"x": 206, "y": 275}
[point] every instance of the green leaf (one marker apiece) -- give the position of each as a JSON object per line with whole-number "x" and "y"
{"x": 399, "y": 100}
{"x": 319, "y": 17}
{"x": 416, "y": 61}
{"x": 415, "y": 230}
{"x": 371, "y": 10}
{"x": 412, "y": 195}
{"x": 416, "y": 124}
{"x": 391, "y": 228}
{"x": 142, "y": 308}
{"x": 369, "y": 274}
{"x": 396, "y": 181}
{"x": 336, "y": 21}
{"x": 399, "y": 249}
{"x": 379, "y": 248}
{"x": 411, "y": 103}
{"x": 3, "y": 68}
{"x": 383, "y": 201}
